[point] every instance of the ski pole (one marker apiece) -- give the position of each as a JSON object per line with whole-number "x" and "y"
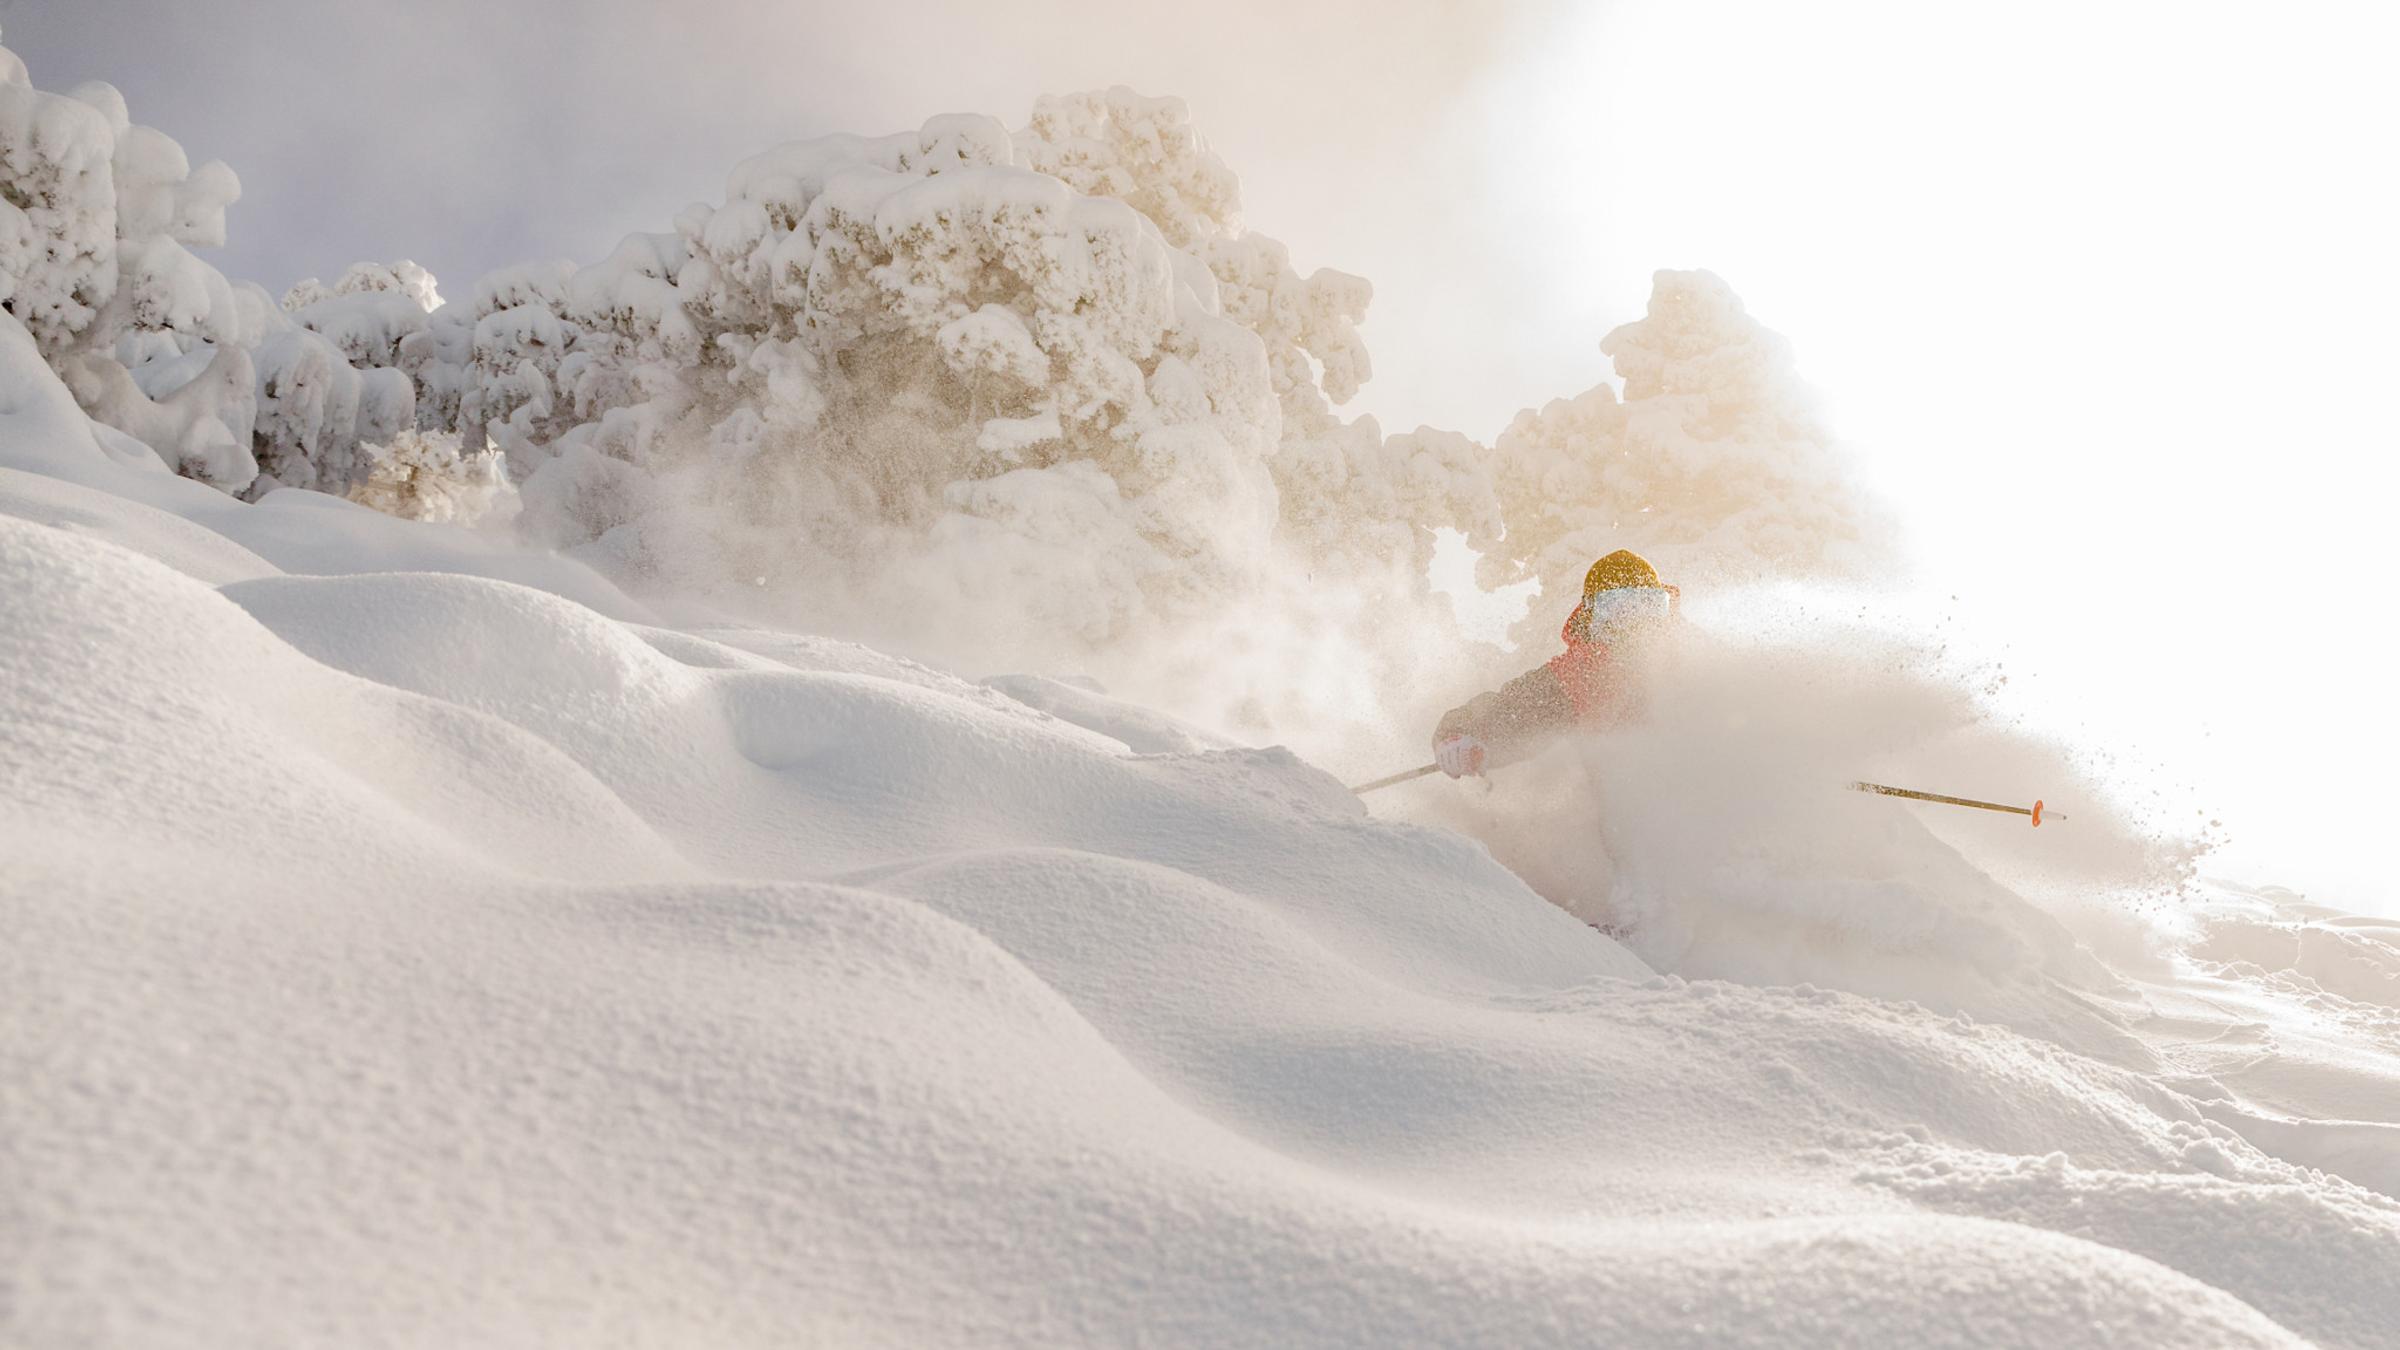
{"x": 1881, "y": 790}
{"x": 1418, "y": 772}
{"x": 2038, "y": 812}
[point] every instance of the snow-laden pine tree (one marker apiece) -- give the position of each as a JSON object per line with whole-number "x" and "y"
{"x": 1715, "y": 462}
{"x": 1050, "y": 366}
{"x": 428, "y": 475}
{"x": 98, "y": 217}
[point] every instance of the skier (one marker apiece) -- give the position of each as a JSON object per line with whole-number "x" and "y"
{"x": 1589, "y": 686}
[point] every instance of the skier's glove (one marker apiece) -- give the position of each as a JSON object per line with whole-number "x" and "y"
{"x": 1460, "y": 756}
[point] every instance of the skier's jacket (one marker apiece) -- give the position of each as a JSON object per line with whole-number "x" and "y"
{"x": 1590, "y": 686}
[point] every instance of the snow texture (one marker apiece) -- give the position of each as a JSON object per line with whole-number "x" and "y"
{"x": 420, "y": 936}
{"x": 415, "y": 943}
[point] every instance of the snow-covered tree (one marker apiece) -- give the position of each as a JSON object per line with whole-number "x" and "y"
{"x": 1715, "y": 462}
{"x": 1334, "y": 475}
{"x": 423, "y": 475}
{"x": 96, "y": 214}
{"x": 315, "y": 409}
{"x": 98, "y": 217}
{"x": 370, "y": 278}
{"x": 369, "y": 312}
{"x": 954, "y": 359}
{"x": 910, "y": 336}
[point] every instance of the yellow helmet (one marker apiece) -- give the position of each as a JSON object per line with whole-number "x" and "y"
{"x": 1618, "y": 570}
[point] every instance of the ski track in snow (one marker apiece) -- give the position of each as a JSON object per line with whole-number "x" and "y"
{"x": 417, "y": 942}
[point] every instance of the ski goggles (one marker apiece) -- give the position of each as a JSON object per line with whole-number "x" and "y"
{"x": 1610, "y": 610}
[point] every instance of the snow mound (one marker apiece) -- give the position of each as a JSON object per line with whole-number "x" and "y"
{"x": 1087, "y": 705}
{"x": 245, "y": 749}
{"x": 2308, "y": 1257}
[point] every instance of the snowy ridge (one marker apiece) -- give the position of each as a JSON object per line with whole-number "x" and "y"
{"x": 440, "y": 949}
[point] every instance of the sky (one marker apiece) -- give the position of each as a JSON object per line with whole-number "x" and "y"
{"x": 2101, "y": 295}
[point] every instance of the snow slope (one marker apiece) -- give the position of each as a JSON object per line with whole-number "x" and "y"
{"x": 416, "y": 942}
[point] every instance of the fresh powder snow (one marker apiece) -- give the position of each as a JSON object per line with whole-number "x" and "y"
{"x": 468, "y": 882}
